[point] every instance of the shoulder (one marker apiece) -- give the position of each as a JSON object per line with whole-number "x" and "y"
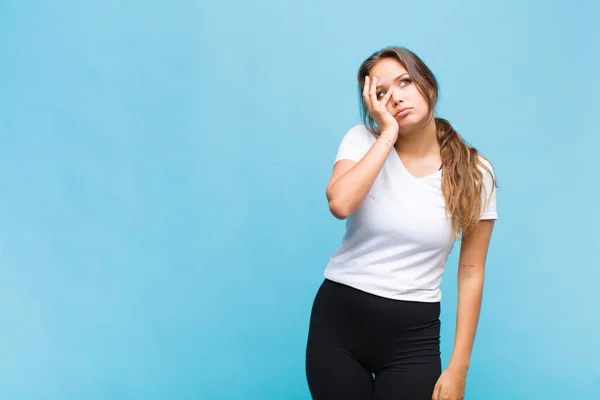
{"x": 355, "y": 144}
{"x": 359, "y": 129}
{"x": 485, "y": 165}
{"x": 360, "y": 133}
{"x": 487, "y": 171}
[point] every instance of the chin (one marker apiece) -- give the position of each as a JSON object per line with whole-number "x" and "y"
{"x": 408, "y": 121}
{"x": 411, "y": 121}
{"x": 406, "y": 127}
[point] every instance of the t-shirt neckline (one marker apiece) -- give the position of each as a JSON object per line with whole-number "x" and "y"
{"x": 409, "y": 174}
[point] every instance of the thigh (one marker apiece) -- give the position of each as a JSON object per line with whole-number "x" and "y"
{"x": 332, "y": 370}
{"x": 409, "y": 362}
{"x": 412, "y": 380}
{"x": 332, "y": 373}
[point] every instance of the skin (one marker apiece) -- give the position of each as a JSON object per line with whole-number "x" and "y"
{"x": 417, "y": 143}
{"x": 387, "y": 90}
{"x": 473, "y": 254}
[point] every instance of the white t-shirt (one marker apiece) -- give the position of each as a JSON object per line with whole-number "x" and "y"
{"x": 396, "y": 244}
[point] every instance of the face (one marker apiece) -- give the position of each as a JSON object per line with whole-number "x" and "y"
{"x": 406, "y": 104}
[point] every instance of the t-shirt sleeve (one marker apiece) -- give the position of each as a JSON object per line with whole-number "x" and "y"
{"x": 354, "y": 144}
{"x": 489, "y": 197}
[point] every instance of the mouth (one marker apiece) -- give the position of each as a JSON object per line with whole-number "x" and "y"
{"x": 403, "y": 111}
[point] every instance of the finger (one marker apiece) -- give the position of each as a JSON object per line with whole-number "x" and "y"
{"x": 436, "y": 392}
{"x": 372, "y": 89}
{"x": 365, "y": 93}
{"x": 386, "y": 98}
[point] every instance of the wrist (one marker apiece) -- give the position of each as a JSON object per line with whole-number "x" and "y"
{"x": 459, "y": 367}
{"x": 388, "y": 137}
{"x": 389, "y": 132}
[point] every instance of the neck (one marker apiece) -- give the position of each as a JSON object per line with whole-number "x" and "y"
{"x": 420, "y": 142}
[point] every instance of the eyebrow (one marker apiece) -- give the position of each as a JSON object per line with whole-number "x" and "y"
{"x": 406, "y": 73}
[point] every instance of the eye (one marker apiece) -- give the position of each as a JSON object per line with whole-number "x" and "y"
{"x": 405, "y": 82}
{"x": 381, "y": 94}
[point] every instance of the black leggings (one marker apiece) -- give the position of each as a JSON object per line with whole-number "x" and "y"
{"x": 362, "y": 347}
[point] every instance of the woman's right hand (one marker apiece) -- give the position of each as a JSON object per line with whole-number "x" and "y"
{"x": 378, "y": 108}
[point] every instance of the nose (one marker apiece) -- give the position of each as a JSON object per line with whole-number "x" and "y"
{"x": 397, "y": 97}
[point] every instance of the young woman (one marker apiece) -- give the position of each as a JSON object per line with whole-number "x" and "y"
{"x": 408, "y": 187}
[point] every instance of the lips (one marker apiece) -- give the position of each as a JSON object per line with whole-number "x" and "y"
{"x": 403, "y": 111}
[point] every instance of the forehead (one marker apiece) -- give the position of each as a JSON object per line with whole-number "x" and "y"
{"x": 387, "y": 69}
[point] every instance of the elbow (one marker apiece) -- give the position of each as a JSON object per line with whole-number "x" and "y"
{"x": 339, "y": 210}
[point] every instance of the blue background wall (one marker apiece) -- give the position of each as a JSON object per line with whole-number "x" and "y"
{"x": 163, "y": 223}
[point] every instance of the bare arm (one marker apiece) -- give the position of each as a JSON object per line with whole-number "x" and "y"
{"x": 473, "y": 254}
{"x": 351, "y": 181}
